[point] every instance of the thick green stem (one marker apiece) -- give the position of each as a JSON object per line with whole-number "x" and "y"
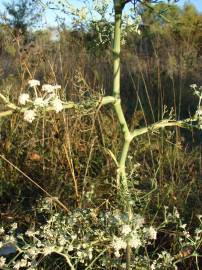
{"x": 118, "y": 6}
{"x": 121, "y": 177}
{"x": 116, "y": 54}
{"x": 122, "y": 164}
{"x": 127, "y": 139}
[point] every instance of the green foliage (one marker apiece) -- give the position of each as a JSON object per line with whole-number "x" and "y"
{"x": 22, "y": 14}
{"x": 90, "y": 238}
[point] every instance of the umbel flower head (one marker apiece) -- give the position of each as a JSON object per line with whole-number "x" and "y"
{"x": 23, "y": 98}
{"x": 29, "y": 115}
{"x": 48, "y": 88}
{"x": 48, "y": 97}
{"x": 2, "y": 262}
{"x": 57, "y": 104}
{"x": 39, "y": 102}
{"x": 34, "y": 83}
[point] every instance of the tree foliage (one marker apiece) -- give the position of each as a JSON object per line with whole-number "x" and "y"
{"x": 22, "y": 14}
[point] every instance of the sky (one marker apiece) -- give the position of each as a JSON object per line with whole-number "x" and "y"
{"x": 49, "y": 16}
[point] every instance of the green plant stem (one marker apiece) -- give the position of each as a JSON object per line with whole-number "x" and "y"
{"x": 68, "y": 260}
{"x": 161, "y": 124}
{"x": 118, "y": 7}
{"x": 96, "y": 258}
{"x": 116, "y": 53}
{"x": 127, "y": 139}
{"x": 122, "y": 177}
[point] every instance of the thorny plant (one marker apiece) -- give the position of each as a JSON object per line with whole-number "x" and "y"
{"x": 97, "y": 240}
{"x": 50, "y": 100}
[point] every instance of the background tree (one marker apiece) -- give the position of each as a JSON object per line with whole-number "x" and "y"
{"x": 22, "y": 14}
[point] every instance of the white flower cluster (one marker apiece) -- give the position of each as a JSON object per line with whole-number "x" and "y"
{"x": 197, "y": 90}
{"x": 48, "y": 97}
{"x": 152, "y": 233}
{"x": 34, "y": 83}
{"x": 134, "y": 233}
{"x": 23, "y": 99}
{"x": 126, "y": 229}
{"x": 23, "y": 263}
{"x": 199, "y": 112}
{"x": 118, "y": 244}
{"x": 57, "y": 104}
{"x": 2, "y": 262}
{"x": 29, "y": 115}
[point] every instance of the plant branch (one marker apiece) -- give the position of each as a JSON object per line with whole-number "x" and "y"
{"x": 66, "y": 105}
{"x": 161, "y": 124}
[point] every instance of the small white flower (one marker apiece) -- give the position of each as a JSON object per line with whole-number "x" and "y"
{"x": 48, "y": 88}
{"x": 193, "y": 86}
{"x": 29, "y": 115}
{"x": 139, "y": 221}
{"x": 176, "y": 213}
{"x": 186, "y": 234}
{"x": 57, "y": 87}
{"x": 32, "y": 251}
{"x": 23, "y": 263}
{"x": 30, "y": 233}
{"x": 80, "y": 254}
{"x": 2, "y": 230}
{"x": 126, "y": 229}
{"x": 49, "y": 249}
{"x": 197, "y": 93}
{"x": 183, "y": 226}
{"x": 9, "y": 239}
{"x": 117, "y": 254}
{"x": 118, "y": 243}
{"x": 23, "y": 98}
{"x": 70, "y": 248}
{"x": 136, "y": 165}
{"x": 17, "y": 265}
{"x": 152, "y": 233}
{"x": 57, "y": 104}
{"x": 46, "y": 101}
{"x": 39, "y": 102}
{"x": 14, "y": 226}
{"x": 62, "y": 241}
{"x": 199, "y": 112}
{"x": 90, "y": 254}
{"x": 2, "y": 262}
{"x": 33, "y": 83}
{"x": 153, "y": 266}
{"x": 135, "y": 241}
